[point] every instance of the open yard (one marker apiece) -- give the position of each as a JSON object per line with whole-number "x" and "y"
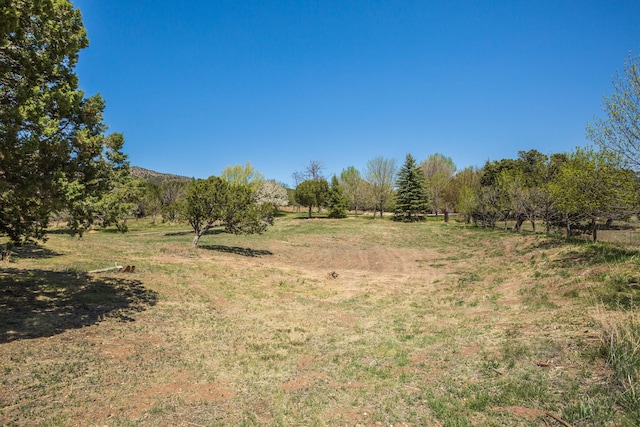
{"x": 316, "y": 322}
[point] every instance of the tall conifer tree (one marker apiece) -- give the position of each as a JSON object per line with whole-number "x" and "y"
{"x": 411, "y": 197}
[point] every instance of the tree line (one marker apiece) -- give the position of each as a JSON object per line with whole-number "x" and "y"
{"x": 57, "y": 161}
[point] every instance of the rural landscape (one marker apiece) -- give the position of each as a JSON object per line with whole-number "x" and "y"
{"x": 403, "y": 293}
{"x": 320, "y": 322}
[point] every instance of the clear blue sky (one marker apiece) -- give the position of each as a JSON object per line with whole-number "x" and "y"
{"x": 199, "y": 85}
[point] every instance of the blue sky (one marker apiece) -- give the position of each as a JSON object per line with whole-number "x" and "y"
{"x": 199, "y": 85}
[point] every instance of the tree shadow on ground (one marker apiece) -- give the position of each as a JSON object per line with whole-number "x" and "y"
{"x": 41, "y": 303}
{"x": 598, "y": 253}
{"x": 248, "y": 252}
{"x": 550, "y": 243}
{"x": 32, "y": 252}
{"x": 315, "y": 216}
{"x": 191, "y": 232}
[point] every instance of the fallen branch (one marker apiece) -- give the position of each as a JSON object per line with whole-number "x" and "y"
{"x": 102, "y": 270}
{"x": 558, "y": 419}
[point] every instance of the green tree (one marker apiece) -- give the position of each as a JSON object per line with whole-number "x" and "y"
{"x": 243, "y": 175}
{"x": 411, "y": 197}
{"x": 619, "y": 132}
{"x": 312, "y": 193}
{"x": 106, "y": 195}
{"x": 150, "y": 203}
{"x": 336, "y": 200}
{"x": 438, "y": 171}
{"x": 214, "y": 201}
{"x": 461, "y": 191}
{"x": 54, "y": 155}
{"x": 354, "y": 188}
{"x": 592, "y": 186}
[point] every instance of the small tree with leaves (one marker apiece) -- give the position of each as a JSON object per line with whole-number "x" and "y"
{"x": 438, "y": 171}
{"x": 411, "y": 197}
{"x": 355, "y": 188}
{"x": 312, "y": 193}
{"x": 214, "y": 201}
{"x": 592, "y": 186}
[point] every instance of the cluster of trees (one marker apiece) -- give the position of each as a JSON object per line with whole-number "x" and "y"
{"x": 576, "y": 191}
{"x": 239, "y": 199}
{"x": 57, "y": 160}
{"x": 410, "y": 192}
{"x": 573, "y": 191}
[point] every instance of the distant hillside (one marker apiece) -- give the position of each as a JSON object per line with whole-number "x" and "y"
{"x": 155, "y": 177}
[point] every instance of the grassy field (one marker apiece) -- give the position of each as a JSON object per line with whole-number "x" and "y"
{"x": 320, "y": 322}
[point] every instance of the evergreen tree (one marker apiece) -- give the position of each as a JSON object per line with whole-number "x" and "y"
{"x": 54, "y": 155}
{"x": 411, "y": 197}
{"x": 337, "y": 201}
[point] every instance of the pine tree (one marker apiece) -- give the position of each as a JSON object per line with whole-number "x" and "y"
{"x": 338, "y": 204}
{"x": 411, "y": 197}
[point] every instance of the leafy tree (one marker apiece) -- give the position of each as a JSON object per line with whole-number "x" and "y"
{"x": 466, "y": 202}
{"x": 461, "y": 191}
{"x": 381, "y": 173}
{"x": 243, "y": 175}
{"x": 312, "y": 193}
{"x": 411, "y": 197}
{"x": 438, "y": 171}
{"x": 592, "y": 186}
{"x": 105, "y": 196}
{"x": 54, "y": 155}
{"x": 619, "y": 132}
{"x": 214, "y": 201}
{"x": 492, "y": 169}
{"x": 336, "y": 200}
{"x": 271, "y": 193}
{"x": 355, "y": 188}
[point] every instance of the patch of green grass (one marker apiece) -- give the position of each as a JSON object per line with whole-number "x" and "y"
{"x": 537, "y": 297}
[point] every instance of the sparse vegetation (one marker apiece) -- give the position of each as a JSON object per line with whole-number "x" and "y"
{"x": 421, "y": 324}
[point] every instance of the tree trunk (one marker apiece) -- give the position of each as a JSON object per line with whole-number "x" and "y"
{"x": 446, "y": 215}
{"x": 594, "y": 228}
{"x": 310, "y": 207}
{"x": 196, "y": 239}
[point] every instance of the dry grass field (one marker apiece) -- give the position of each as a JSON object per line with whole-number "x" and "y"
{"x": 314, "y": 323}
